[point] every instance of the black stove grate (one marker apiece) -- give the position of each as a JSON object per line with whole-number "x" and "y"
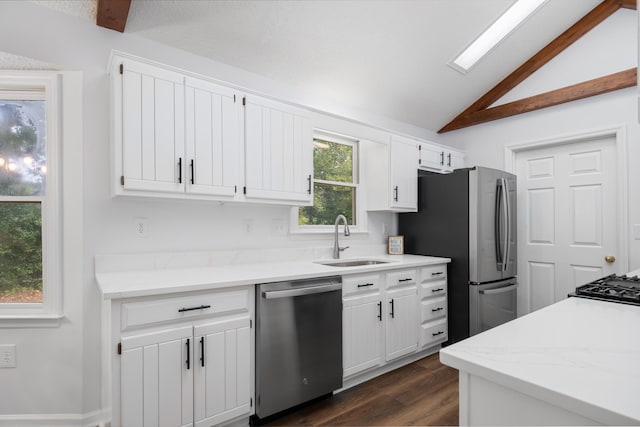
{"x": 625, "y": 289}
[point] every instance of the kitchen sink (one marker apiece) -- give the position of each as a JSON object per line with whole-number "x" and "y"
{"x": 352, "y": 262}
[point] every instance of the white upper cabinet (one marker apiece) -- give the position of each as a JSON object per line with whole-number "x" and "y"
{"x": 390, "y": 175}
{"x": 278, "y": 152}
{"x": 150, "y": 127}
{"x": 437, "y": 159}
{"x": 212, "y": 139}
{"x": 404, "y": 173}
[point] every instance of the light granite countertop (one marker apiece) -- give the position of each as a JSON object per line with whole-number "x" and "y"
{"x": 128, "y": 276}
{"x": 579, "y": 354}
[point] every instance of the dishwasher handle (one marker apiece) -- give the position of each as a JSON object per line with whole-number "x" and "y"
{"x": 295, "y": 292}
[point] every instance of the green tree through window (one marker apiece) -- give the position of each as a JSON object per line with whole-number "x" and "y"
{"x": 22, "y": 189}
{"x": 334, "y": 184}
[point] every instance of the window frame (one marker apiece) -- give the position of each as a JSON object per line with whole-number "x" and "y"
{"x": 359, "y": 214}
{"x": 41, "y": 86}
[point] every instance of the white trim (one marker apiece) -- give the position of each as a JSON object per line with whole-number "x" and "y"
{"x": 94, "y": 418}
{"x": 622, "y": 194}
{"x": 360, "y": 214}
{"x": 49, "y": 83}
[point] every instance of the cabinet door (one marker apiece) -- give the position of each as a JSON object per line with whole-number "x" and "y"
{"x": 212, "y": 138}
{"x": 156, "y": 383}
{"x": 362, "y": 320}
{"x": 431, "y": 157}
{"x": 404, "y": 174}
{"x": 278, "y": 152}
{"x": 402, "y": 323}
{"x": 222, "y": 371}
{"x": 152, "y": 104}
{"x": 454, "y": 160}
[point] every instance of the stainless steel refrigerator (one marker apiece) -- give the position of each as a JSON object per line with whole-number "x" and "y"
{"x": 469, "y": 216}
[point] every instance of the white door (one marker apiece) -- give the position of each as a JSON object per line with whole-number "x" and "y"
{"x": 402, "y": 323}
{"x": 156, "y": 383}
{"x": 362, "y": 341}
{"x": 567, "y": 219}
{"x": 222, "y": 370}
{"x": 278, "y": 152}
{"x": 213, "y": 138}
{"x": 404, "y": 174}
{"x": 152, "y": 128}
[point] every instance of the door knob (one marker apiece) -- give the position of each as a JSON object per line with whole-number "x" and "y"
{"x": 610, "y": 258}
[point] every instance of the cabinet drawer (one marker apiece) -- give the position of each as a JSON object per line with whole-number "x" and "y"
{"x": 434, "y": 289}
{"x": 431, "y": 309}
{"x": 401, "y": 278}
{"x": 434, "y": 272}
{"x": 360, "y": 283}
{"x": 432, "y": 333}
{"x": 177, "y": 308}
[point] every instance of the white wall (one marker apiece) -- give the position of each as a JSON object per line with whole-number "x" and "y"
{"x": 69, "y": 380}
{"x": 484, "y": 144}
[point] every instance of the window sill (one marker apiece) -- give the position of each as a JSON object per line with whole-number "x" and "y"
{"x": 30, "y": 320}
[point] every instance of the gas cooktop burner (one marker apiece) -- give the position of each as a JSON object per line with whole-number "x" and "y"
{"x": 612, "y": 288}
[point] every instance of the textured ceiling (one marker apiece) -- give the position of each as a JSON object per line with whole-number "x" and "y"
{"x": 384, "y": 57}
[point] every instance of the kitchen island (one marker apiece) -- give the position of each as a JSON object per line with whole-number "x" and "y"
{"x": 576, "y": 362}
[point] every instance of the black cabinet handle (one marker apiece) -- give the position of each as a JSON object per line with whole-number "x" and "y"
{"x": 193, "y": 179}
{"x": 188, "y": 354}
{"x": 449, "y": 159}
{"x": 437, "y": 309}
{"x": 309, "y": 189}
{"x": 202, "y": 307}
{"x": 180, "y": 170}
{"x": 408, "y": 279}
{"x": 202, "y": 351}
{"x": 380, "y": 311}
{"x": 442, "y": 158}
{"x": 364, "y": 285}
{"x": 392, "y": 309}
{"x": 395, "y": 191}
{"x": 435, "y": 334}
{"x": 439, "y": 273}
{"x": 437, "y": 290}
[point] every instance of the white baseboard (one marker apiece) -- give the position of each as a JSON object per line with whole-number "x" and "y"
{"x": 91, "y": 419}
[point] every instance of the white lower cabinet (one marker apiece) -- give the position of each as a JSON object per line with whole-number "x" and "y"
{"x": 380, "y": 319}
{"x": 402, "y": 322}
{"x": 193, "y": 372}
{"x": 362, "y": 323}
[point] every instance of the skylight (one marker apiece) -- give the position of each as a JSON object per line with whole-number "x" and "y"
{"x": 493, "y": 35}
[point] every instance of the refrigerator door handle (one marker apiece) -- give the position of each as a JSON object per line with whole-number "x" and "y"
{"x": 507, "y": 224}
{"x": 497, "y": 230}
{"x": 498, "y": 290}
{"x": 502, "y": 227}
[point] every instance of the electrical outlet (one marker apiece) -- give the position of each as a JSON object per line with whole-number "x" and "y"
{"x": 278, "y": 227}
{"x": 247, "y": 225}
{"x": 8, "y": 356}
{"x": 141, "y": 227}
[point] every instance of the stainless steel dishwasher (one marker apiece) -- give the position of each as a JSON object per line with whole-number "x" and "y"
{"x": 298, "y": 342}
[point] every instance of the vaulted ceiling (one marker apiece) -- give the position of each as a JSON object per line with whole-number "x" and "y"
{"x": 388, "y": 58}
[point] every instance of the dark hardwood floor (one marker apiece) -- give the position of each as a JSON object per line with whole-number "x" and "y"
{"x": 422, "y": 393}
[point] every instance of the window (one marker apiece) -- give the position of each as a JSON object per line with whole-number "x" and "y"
{"x": 335, "y": 185}
{"x": 28, "y": 206}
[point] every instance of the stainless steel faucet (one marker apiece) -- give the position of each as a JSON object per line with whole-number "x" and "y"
{"x": 336, "y": 247}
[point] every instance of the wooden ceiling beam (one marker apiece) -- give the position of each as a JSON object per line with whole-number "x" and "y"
{"x": 546, "y": 54}
{"x": 620, "y": 80}
{"x": 113, "y": 14}
{"x": 628, "y": 4}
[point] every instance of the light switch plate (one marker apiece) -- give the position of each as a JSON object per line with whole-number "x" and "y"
{"x": 636, "y": 231}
